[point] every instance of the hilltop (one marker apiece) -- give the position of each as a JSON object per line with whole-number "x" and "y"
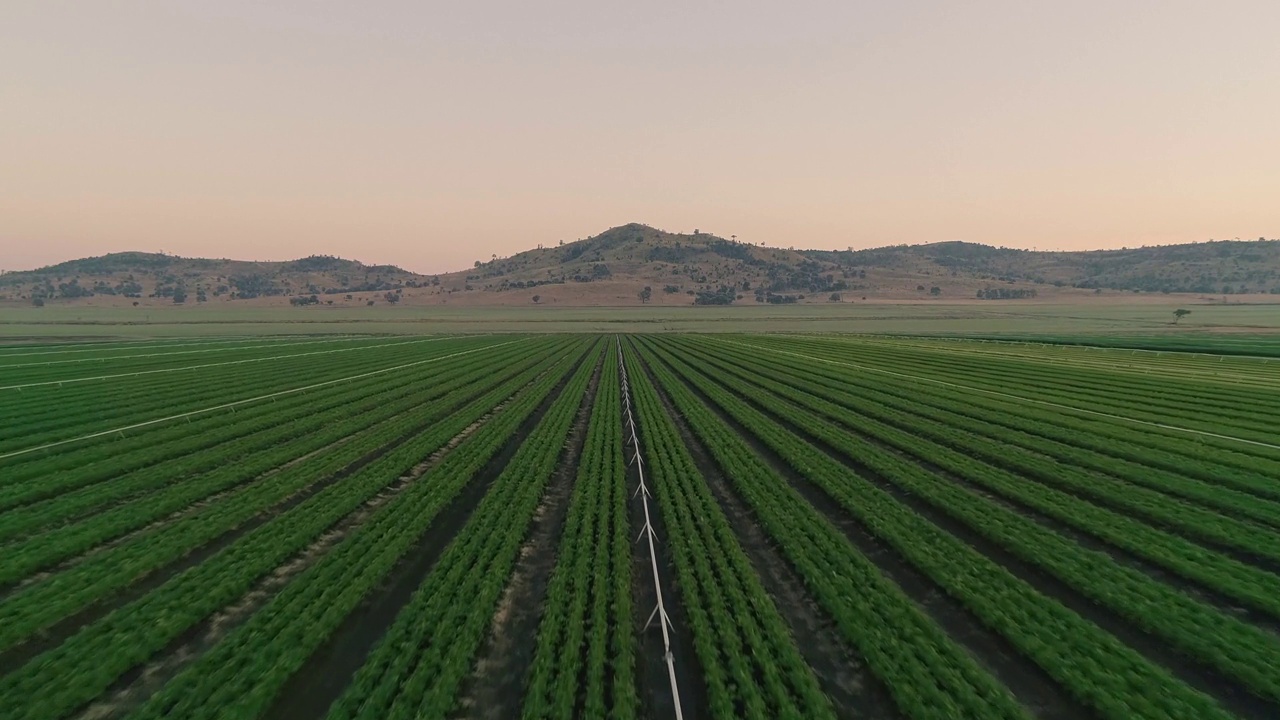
{"x": 616, "y": 266}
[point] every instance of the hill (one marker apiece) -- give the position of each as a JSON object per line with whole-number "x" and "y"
{"x": 616, "y": 266}
{"x": 711, "y": 269}
{"x": 144, "y": 278}
{"x": 698, "y": 267}
{"x": 1227, "y": 267}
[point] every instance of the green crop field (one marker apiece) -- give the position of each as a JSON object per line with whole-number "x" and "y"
{"x": 1053, "y": 523}
{"x": 1125, "y": 317}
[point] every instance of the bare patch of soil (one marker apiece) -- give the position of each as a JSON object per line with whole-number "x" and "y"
{"x": 496, "y": 687}
{"x": 652, "y": 675}
{"x": 58, "y": 633}
{"x": 172, "y": 517}
{"x": 1031, "y": 685}
{"x": 840, "y": 672}
{"x": 152, "y": 676}
{"x": 321, "y": 680}
{"x": 1189, "y": 586}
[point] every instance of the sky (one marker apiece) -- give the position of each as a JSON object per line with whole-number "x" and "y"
{"x": 431, "y": 134}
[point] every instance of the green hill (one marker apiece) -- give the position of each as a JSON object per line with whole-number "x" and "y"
{"x": 618, "y": 264}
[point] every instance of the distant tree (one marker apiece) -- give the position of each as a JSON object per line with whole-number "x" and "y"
{"x": 835, "y": 297}
{"x": 645, "y": 294}
{"x": 537, "y": 299}
{"x": 39, "y": 301}
{"x": 370, "y": 303}
{"x": 919, "y": 288}
{"x": 135, "y": 303}
{"x": 935, "y": 291}
{"x": 1179, "y": 314}
{"x": 179, "y": 295}
{"x": 391, "y": 298}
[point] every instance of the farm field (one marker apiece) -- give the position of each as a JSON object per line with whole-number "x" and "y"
{"x": 1097, "y": 320}
{"x": 639, "y": 526}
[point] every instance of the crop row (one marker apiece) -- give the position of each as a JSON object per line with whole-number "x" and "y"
{"x": 179, "y": 449}
{"x": 1236, "y": 648}
{"x": 1174, "y": 450}
{"x": 54, "y": 369}
{"x": 584, "y": 661}
{"x": 87, "y": 663}
{"x": 48, "y": 367}
{"x": 98, "y": 576}
{"x": 1091, "y": 664}
{"x": 1148, "y": 447}
{"x": 1004, "y": 469}
{"x": 28, "y": 352}
{"x": 1060, "y": 386}
{"x": 242, "y": 675}
{"x": 1170, "y": 392}
{"x": 418, "y": 667}
{"x": 1177, "y": 468}
{"x": 122, "y": 391}
{"x": 54, "y": 413}
{"x": 1232, "y": 378}
{"x": 752, "y": 665}
{"x": 92, "y": 348}
{"x": 925, "y": 671}
{"x": 257, "y": 443}
{"x": 1190, "y": 344}
{"x": 236, "y": 475}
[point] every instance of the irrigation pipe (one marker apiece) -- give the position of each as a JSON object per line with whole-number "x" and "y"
{"x": 997, "y": 393}
{"x": 643, "y": 491}
{"x": 179, "y": 352}
{"x": 236, "y": 403}
{"x": 217, "y": 364}
{"x": 95, "y": 346}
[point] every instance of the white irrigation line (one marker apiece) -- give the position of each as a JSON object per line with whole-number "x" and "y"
{"x": 268, "y": 396}
{"x": 183, "y": 352}
{"x": 1146, "y": 365}
{"x": 134, "y": 345}
{"x": 1061, "y": 345}
{"x": 1020, "y": 398}
{"x": 217, "y": 364}
{"x": 659, "y": 610}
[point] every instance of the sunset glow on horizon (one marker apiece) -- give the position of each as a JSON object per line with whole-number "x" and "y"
{"x": 429, "y": 135}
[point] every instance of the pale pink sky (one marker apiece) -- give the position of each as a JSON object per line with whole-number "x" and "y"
{"x": 431, "y": 134}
